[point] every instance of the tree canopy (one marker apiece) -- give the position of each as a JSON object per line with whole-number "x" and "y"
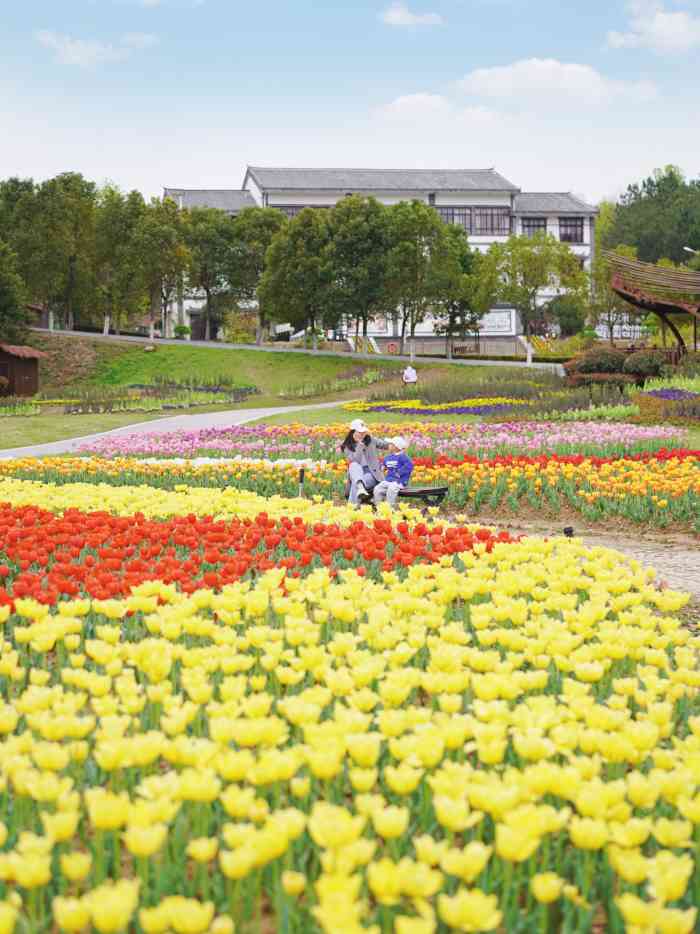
{"x": 526, "y": 266}
{"x": 658, "y": 217}
{"x": 13, "y": 312}
{"x": 297, "y": 285}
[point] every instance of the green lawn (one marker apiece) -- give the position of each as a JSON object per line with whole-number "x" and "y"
{"x": 19, "y": 431}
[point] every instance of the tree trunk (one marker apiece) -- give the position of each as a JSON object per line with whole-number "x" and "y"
{"x": 153, "y": 312}
{"x": 207, "y": 319}
{"x": 314, "y": 337}
{"x": 50, "y": 320}
{"x": 404, "y": 321}
{"x": 365, "y": 325}
{"x": 105, "y": 325}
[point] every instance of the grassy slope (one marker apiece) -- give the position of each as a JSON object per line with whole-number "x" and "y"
{"x": 80, "y": 361}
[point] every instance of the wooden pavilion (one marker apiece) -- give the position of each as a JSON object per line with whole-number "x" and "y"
{"x": 659, "y": 290}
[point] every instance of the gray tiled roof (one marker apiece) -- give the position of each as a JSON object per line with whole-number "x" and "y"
{"x": 270, "y": 179}
{"x": 551, "y": 202}
{"x": 226, "y": 199}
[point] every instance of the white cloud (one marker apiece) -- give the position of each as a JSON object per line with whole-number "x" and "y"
{"x": 88, "y": 53}
{"x": 417, "y": 106}
{"x": 654, "y": 27}
{"x": 398, "y": 14}
{"x": 544, "y": 78}
{"x": 139, "y": 40}
{"x": 424, "y": 108}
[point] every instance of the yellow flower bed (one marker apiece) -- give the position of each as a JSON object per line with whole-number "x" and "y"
{"x": 512, "y": 740}
{"x": 182, "y": 501}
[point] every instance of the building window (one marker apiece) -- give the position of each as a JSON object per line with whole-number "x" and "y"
{"x": 291, "y": 210}
{"x": 533, "y": 225}
{"x": 431, "y": 198}
{"x": 491, "y": 221}
{"x": 460, "y": 216}
{"x": 571, "y": 229}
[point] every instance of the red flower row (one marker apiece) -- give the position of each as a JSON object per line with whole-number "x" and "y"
{"x": 99, "y": 555}
{"x": 542, "y": 460}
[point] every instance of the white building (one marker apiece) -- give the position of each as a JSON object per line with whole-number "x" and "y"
{"x": 487, "y": 205}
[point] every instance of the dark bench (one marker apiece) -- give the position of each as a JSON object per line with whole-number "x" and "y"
{"x": 428, "y": 495}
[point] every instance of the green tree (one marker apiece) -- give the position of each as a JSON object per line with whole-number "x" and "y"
{"x": 210, "y": 236}
{"x": 467, "y": 288}
{"x": 14, "y": 193}
{"x": 120, "y": 292}
{"x": 569, "y": 313}
{"x": 417, "y": 263}
{"x": 607, "y": 307}
{"x": 13, "y": 311}
{"x": 254, "y": 230}
{"x": 55, "y": 241}
{"x": 658, "y": 216}
{"x": 526, "y": 266}
{"x": 359, "y": 240}
{"x": 297, "y": 285}
{"x": 160, "y": 252}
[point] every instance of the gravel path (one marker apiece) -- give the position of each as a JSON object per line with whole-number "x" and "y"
{"x": 175, "y": 422}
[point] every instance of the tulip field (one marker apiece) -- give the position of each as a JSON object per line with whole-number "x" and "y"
{"x": 602, "y": 471}
{"x": 227, "y": 707}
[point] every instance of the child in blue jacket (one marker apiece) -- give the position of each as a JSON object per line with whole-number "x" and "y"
{"x": 398, "y": 468}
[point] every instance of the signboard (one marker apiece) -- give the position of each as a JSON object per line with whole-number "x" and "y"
{"x": 499, "y": 322}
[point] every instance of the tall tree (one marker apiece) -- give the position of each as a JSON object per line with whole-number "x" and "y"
{"x": 13, "y": 311}
{"x": 159, "y": 244}
{"x": 416, "y": 261}
{"x": 210, "y": 237}
{"x": 659, "y": 216}
{"x": 359, "y": 241}
{"x": 55, "y": 244}
{"x": 607, "y": 308}
{"x": 297, "y": 283}
{"x": 467, "y": 288}
{"x": 14, "y": 192}
{"x": 254, "y": 231}
{"x": 120, "y": 290}
{"x": 526, "y": 266}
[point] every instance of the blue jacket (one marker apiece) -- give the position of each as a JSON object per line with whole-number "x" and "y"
{"x": 398, "y": 468}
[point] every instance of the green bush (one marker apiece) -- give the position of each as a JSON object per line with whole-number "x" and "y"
{"x": 688, "y": 366}
{"x": 597, "y": 360}
{"x": 645, "y": 364}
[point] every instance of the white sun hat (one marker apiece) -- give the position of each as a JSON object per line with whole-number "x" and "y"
{"x": 358, "y": 425}
{"x": 399, "y": 442}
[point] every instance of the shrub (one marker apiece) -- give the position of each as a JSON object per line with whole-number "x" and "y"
{"x": 596, "y": 379}
{"x": 4, "y": 385}
{"x": 597, "y": 360}
{"x": 645, "y": 364}
{"x": 181, "y": 330}
{"x": 689, "y": 365}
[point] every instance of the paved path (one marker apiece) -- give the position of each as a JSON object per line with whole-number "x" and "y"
{"x": 282, "y": 348}
{"x": 173, "y": 423}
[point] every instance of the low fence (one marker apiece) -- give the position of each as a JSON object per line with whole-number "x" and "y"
{"x": 461, "y": 347}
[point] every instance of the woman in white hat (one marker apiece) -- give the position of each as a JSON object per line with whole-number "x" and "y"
{"x": 364, "y": 468}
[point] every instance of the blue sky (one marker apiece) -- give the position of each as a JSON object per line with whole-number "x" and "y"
{"x": 147, "y": 93}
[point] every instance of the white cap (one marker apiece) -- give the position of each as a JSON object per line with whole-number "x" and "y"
{"x": 399, "y": 442}
{"x": 358, "y": 425}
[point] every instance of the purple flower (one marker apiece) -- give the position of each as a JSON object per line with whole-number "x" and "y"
{"x": 673, "y": 395}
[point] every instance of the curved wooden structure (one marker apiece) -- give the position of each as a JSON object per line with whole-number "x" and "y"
{"x": 656, "y": 289}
